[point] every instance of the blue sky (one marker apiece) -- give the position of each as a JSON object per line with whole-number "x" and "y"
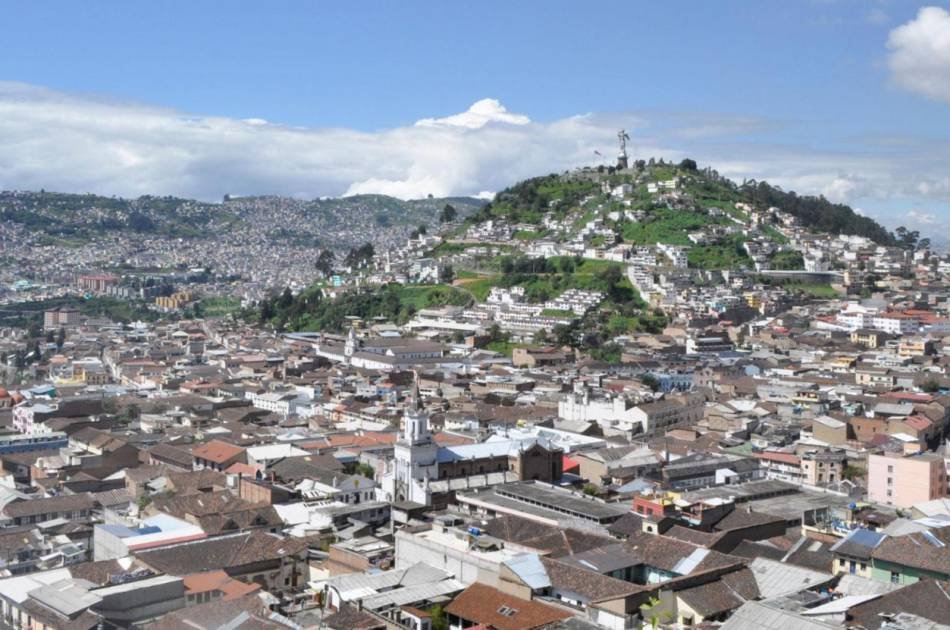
{"x": 846, "y": 98}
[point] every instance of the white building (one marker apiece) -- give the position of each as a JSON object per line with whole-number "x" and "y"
{"x": 415, "y": 458}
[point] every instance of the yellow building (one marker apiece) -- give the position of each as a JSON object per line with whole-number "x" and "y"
{"x": 754, "y": 300}
{"x": 868, "y": 338}
{"x": 174, "y": 301}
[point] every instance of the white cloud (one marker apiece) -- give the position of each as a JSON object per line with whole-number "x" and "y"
{"x": 64, "y": 142}
{"x": 919, "y": 56}
{"x": 844, "y": 188}
{"x": 916, "y": 217}
{"x": 481, "y": 113}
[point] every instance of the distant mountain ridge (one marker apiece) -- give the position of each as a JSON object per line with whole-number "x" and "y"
{"x": 83, "y": 217}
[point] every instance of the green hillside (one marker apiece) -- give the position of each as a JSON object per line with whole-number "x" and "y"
{"x": 697, "y": 190}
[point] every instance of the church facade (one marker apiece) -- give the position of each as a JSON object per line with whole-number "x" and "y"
{"x": 423, "y": 472}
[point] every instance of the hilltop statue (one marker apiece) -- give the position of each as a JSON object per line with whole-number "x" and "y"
{"x": 622, "y": 156}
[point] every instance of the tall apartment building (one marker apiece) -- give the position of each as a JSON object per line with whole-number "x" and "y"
{"x": 60, "y": 318}
{"x": 97, "y": 283}
{"x": 903, "y": 481}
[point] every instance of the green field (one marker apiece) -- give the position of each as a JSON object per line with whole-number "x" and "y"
{"x": 812, "y": 289}
{"x": 774, "y": 234}
{"x": 529, "y": 235}
{"x": 419, "y": 297}
{"x": 219, "y": 306}
{"x": 728, "y": 254}
{"x": 666, "y": 226}
{"x": 787, "y": 260}
{"x": 479, "y": 288}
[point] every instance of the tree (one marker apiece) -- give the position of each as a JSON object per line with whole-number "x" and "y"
{"x": 324, "y": 262}
{"x": 931, "y": 386}
{"x": 906, "y": 238}
{"x": 446, "y": 274}
{"x": 650, "y": 381}
{"x": 852, "y": 472}
{"x": 286, "y": 298}
{"x": 267, "y": 310}
{"x": 567, "y": 265}
{"x": 652, "y": 614}
{"x": 131, "y": 413}
{"x": 448, "y": 214}
{"x": 494, "y": 333}
{"x": 564, "y": 335}
{"x": 688, "y": 165}
{"x": 438, "y": 618}
{"x": 365, "y": 470}
{"x": 422, "y": 230}
{"x": 611, "y": 277}
{"x": 590, "y": 489}
{"x": 359, "y": 256}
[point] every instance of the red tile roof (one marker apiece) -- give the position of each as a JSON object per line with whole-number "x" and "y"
{"x": 482, "y": 604}
{"x": 569, "y": 464}
{"x": 217, "y": 451}
{"x": 785, "y": 458}
{"x": 920, "y": 423}
{"x": 217, "y": 581}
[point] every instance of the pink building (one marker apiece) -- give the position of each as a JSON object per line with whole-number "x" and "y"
{"x": 905, "y": 480}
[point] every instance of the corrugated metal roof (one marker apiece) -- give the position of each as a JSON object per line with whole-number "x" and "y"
{"x": 412, "y": 594}
{"x": 688, "y": 564}
{"x": 758, "y": 616}
{"x": 528, "y": 567}
{"x": 838, "y": 606}
{"x": 777, "y": 578}
{"x": 359, "y": 585}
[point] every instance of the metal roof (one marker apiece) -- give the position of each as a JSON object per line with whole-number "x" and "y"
{"x": 412, "y": 594}
{"x": 528, "y": 567}
{"x": 760, "y": 616}
{"x": 778, "y": 578}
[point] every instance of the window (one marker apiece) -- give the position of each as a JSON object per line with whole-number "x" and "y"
{"x": 890, "y": 481}
{"x": 890, "y": 469}
{"x": 895, "y": 577}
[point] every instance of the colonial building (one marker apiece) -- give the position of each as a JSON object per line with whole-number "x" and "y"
{"x": 381, "y": 353}
{"x": 423, "y": 472}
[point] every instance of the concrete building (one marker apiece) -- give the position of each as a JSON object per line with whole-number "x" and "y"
{"x": 60, "y": 318}
{"x": 113, "y": 541}
{"x": 902, "y": 481}
{"x": 455, "y": 551}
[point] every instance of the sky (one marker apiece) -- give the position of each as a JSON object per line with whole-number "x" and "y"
{"x": 845, "y": 98}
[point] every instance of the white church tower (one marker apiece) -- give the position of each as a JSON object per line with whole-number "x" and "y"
{"x": 415, "y": 457}
{"x": 351, "y": 346}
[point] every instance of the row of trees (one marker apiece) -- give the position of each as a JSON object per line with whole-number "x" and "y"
{"x": 910, "y": 239}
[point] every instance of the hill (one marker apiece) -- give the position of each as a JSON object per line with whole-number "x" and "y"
{"x": 662, "y": 191}
{"x": 347, "y": 221}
